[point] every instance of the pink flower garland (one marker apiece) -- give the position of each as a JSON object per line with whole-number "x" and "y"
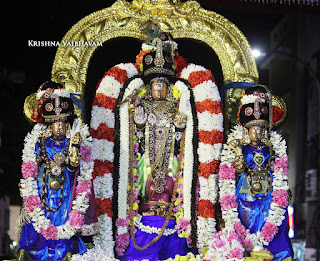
{"x": 228, "y": 201}
{"x": 85, "y": 152}
{"x": 281, "y": 163}
{"x": 236, "y": 253}
{"x": 280, "y": 197}
{"x": 29, "y": 169}
{"x": 226, "y": 172}
{"x": 50, "y": 232}
{"x": 268, "y": 231}
{"x": 33, "y": 203}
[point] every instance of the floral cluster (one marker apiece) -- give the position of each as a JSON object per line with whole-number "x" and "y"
{"x": 31, "y": 198}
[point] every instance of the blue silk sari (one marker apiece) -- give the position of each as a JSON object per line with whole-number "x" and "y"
{"x": 253, "y": 212}
{"x": 34, "y": 244}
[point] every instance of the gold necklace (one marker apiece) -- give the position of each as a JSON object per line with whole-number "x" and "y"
{"x": 131, "y": 199}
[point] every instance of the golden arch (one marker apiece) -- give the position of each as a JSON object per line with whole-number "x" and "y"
{"x": 124, "y": 19}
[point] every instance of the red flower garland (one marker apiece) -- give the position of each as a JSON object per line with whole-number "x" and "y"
{"x": 103, "y": 206}
{"x": 101, "y": 168}
{"x": 198, "y": 77}
{"x": 210, "y": 137}
{"x": 206, "y": 209}
{"x": 209, "y": 105}
{"x": 103, "y": 132}
{"x": 102, "y": 100}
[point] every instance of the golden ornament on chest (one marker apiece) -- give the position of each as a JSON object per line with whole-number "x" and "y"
{"x": 257, "y": 187}
{"x": 55, "y": 184}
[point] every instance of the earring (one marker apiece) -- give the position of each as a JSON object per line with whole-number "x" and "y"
{"x": 265, "y": 138}
{"x": 148, "y": 95}
{"x": 169, "y": 95}
{"x": 245, "y": 138}
{"x": 48, "y": 132}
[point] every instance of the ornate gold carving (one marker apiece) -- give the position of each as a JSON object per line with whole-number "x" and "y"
{"x": 127, "y": 19}
{"x": 29, "y": 106}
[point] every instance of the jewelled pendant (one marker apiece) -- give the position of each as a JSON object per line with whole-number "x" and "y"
{"x": 258, "y": 159}
{"x": 59, "y": 158}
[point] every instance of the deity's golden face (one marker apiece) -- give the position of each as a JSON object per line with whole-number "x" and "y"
{"x": 255, "y": 134}
{"x": 59, "y": 129}
{"x": 159, "y": 89}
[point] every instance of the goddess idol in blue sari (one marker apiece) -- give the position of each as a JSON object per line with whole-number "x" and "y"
{"x": 257, "y": 165}
{"x": 50, "y": 169}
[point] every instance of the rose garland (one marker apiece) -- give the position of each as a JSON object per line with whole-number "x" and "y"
{"x": 30, "y": 194}
{"x": 229, "y": 205}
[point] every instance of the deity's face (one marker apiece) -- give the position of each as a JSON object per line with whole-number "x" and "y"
{"x": 59, "y": 129}
{"x": 159, "y": 89}
{"x": 255, "y": 134}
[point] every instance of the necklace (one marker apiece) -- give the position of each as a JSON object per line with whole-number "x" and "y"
{"x": 259, "y": 172}
{"x": 54, "y": 169}
{"x": 258, "y": 157}
{"x": 131, "y": 197}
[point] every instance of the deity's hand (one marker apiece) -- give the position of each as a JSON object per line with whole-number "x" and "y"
{"x": 140, "y": 116}
{"x": 74, "y": 156}
{"x": 238, "y": 164}
{"x": 180, "y": 121}
{"x": 76, "y": 139}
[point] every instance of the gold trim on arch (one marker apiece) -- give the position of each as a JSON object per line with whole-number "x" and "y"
{"x": 126, "y": 19}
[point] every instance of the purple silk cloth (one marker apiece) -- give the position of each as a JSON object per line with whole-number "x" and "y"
{"x": 166, "y": 247}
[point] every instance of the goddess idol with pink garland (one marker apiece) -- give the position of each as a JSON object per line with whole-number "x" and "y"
{"x": 254, "y": 192}
{"x": 57, "y": 179}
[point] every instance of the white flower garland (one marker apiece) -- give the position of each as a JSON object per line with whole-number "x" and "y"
{"x": 124, "y": 149}
{"x": 109, "y": 87}
{"x": 153, "y": 230}
{"x": 29, "y": 190}
{"x": 251, "y": 98}
{"x": 59, "y": 92}
{"x": 188, "y": 151}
